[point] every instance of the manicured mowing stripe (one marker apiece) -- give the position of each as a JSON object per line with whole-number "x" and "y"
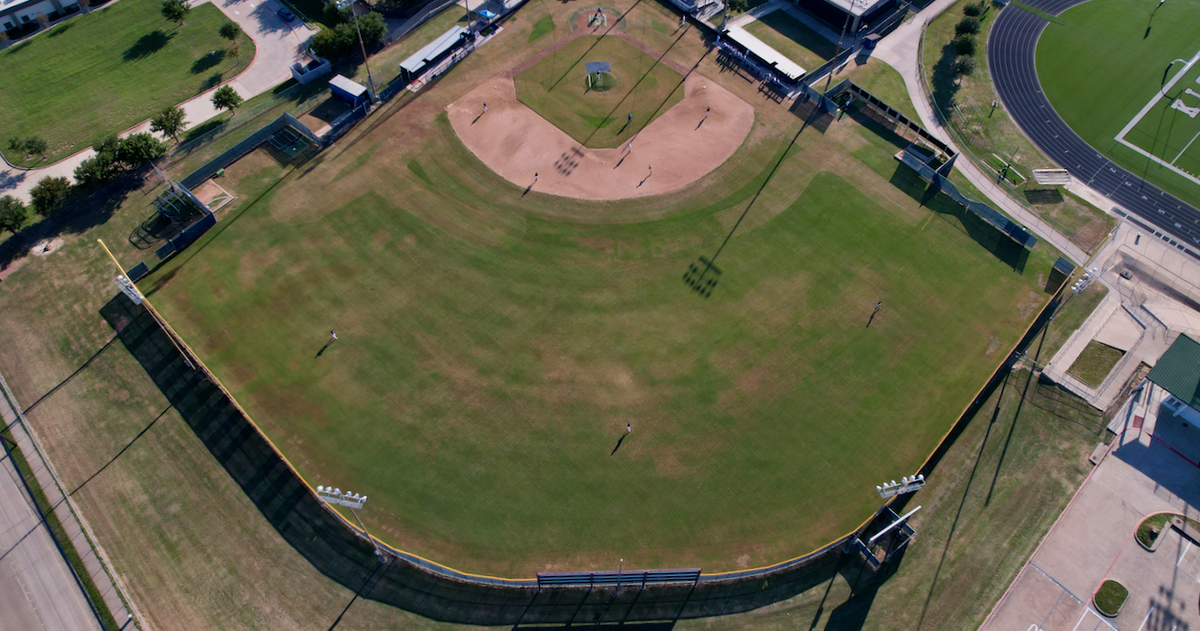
{"x": 793, "y": 39}
{"x": 104, "y": 72}
{"x": 1097, "y": 99}
{"x": 556, "y": 87}
{"x": 487, "y": 367}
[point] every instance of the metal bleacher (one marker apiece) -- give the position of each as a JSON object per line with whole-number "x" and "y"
{"x": 627, "y": 577}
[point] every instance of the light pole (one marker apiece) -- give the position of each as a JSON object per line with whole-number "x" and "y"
{"x": 342, "y": 4}
{"x": 332, "y": 495}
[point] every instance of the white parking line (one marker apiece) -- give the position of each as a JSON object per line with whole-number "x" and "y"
{"x": 1148, "y": 613}
{"x": 1185, "y": 551}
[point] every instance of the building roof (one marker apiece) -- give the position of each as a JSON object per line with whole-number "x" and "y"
{"x": 433, "y": 49}
{"x": 1178, "y": 371}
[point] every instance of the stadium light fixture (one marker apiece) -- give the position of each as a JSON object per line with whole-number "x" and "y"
{"x": 905, "y": 485}
{"x": 334, "y": 495}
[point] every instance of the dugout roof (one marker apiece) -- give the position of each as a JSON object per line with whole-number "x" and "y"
{"x": 769, "y": 55}
{"x": 1178, "y": 371}
{"x": 432, "y": 50}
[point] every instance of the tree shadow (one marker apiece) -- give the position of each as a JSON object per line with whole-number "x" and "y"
{"x": 211, "y": 82}
{"x": 208, "y": 61}
{"x": 82, "y": 212}
{"x": 8, "y": 181}
{"x": 147, "y": 45}
{"x": 944, "y": 84}
{"x": 59, "y": 30}
{"x": 203, "y": 128}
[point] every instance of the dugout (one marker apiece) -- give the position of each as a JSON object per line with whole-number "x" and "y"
{"x": 852, "y": 15}
{"x": 353, "y": 93}
{"x": 432, "y": 53}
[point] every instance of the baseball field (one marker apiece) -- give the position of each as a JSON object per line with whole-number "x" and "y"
{"x": 523, "y": 381}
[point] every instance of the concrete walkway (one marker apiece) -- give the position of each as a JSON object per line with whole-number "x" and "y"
{"x": 38, "y": 589}
{"x": 1093, "y": 540}
{"x": 277, "y": 44}
{"x": 900, "y": 49}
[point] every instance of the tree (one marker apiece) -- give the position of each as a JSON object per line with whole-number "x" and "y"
{"x": 49, "y": 194}
{"x": 373, "y": 29}
{"x": 230, "y": 31}
{"x": 973, "y": 9}
{"x": 15, "y": 143}
{"x": 226, "y": 98}
{"x": 170, "y": 122}
{"x": 175, "y": 10}
{"x": 43, "y": 19}
{"x": 3, "y": 38}
{"x": 964, "y": 44}
{"x": 85, "y": 4}
{"x": 965, "y": 66}
{"x": 137, "y": 150}
{"x": 35, "y": 146}
{"x": 12, "y": 214}
{"x": 967, "y": 25}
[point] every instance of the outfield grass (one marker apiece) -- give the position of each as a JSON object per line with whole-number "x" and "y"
{"x": 556, "y": 87}
{"x": 793, "y": 39}
{"x": 487, "y": 338}
{"x": 104, "y": 72}
{"x": 1098, "y": 100}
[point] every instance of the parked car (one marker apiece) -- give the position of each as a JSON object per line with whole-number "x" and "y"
{"x": 287, "y": 15}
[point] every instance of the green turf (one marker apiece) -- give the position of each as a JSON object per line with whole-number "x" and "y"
{"x": 1098, "y": 99}
{"x": 793, "y": 39}
{"x": 1110, "y": 597}
{"x": 556, "y": 88}
{"x": 1095, "y": 362}
{"x": 102, "y": 73}
{"x": 485, "y": 372}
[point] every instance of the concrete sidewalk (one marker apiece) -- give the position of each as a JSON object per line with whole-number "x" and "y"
{"x": 900, "y": 49}
{"x": 60, "y": 597}
{"x": 277, "y": 44}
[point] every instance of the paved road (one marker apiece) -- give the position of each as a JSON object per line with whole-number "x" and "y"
{"x": 1011, "y": 48}
{"x": 37, "y": 588}
{"x": 277, "y": 44}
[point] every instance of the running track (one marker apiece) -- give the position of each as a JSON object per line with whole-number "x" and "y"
{"x": 1011, "y": 47}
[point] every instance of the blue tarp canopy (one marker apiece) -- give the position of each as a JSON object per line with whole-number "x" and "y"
{"x": 485, "y": 14}
{"x": 434, "y": 49}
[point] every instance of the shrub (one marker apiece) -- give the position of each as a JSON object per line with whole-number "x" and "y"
{"x": 35, "y": 146}
{"x": 965, "y": 44}
{"x": 965, "y": 66}
{"x": 12, "y": 213}
{"x": 967, "y": 25}
{"x": 16, "y": 144}
{"x": 973, "y": 9}
{"x": 49, "y": 194}
{"x": 230, "y": 31}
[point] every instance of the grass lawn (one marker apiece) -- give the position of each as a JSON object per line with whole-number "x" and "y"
{"x": 102, "y": 73}
{"x": 966, "y": 103}
{"x": 793, "y": 39}
{"x": 1071, "y": 316}
{"x": 187, "y": 541}
{"x": 1110, "y": 597}
{"x": 545, "y": 325}
{"x": 1149, "y": 38}
{"x": 1095, "y": 362}
{"x": 556, "y": 87}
